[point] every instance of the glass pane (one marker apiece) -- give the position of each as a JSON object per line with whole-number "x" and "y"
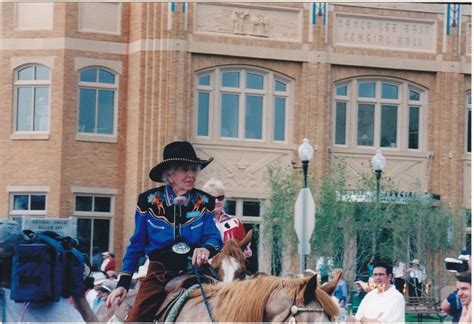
{"x": 20, "y": 202}
{"x": 254, "y": 81}
{"x": 341, "y": 91}
{"x": 469, "y": 130}
{"x": 469, "y": 99}
{"x": 414, "y": 128}
{"x": 38, "y": 202}
{"x": 280, "y": 86}
{"x": 365, "y": 125}
{"x": 230, "y": 206}
{"x": 230, "y": 115}
{"x": 205, "y": 80}
{"x": 102, "y": 204}
{"x": 84, "y": 228}
{"x": 87, "y": 103}
{"x": 106, "y": 77}
{"x": 231, "y": 79}
{"x": 367, "y": 90}
{"x": 105, "y": 116}
{"x": 41, "y": 109}
{"x": 415, "y": 96}
{"x": 340, "y": 123}
{"x": 203, "y": 114}
{"x": 84, "y": 203}
{"x": 253, "y": 117}
{"x": 24, "y": 117}
{"x": 26, "y": 73}
{"x": 389, "y": 91}
{"x": 42, "y": 73}
{"x": 101, "y": 235}
{"x": 280, "y": 117}
{"x": 251, "y": 208}
{"x": 388, "y": 127}
{"x": 89, "y": 75}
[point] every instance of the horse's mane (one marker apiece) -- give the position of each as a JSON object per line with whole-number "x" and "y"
{"x": 232, "y": 248}
{"x": 245, "y": 301}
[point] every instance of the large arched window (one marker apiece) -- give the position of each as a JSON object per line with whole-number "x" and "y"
{"x": 32, "y": 103}
{"x": 386, "y": 113}
{"x": 242, "y": 104}
{"x": 97, "y": 108}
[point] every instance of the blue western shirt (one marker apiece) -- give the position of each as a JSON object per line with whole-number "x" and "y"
{"x": 155, "y": 224}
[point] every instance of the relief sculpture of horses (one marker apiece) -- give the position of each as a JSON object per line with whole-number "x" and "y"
{"x": 264, "y": 298}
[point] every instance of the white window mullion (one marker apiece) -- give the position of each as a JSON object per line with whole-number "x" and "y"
{"x": 96, "y": 110}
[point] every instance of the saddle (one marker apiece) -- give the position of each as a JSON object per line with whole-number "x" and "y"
{"x": 174, "y": 289}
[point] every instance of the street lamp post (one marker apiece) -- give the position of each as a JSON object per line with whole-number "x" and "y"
{"x": 378, "y": 164}
{"x": 304, "y": 207}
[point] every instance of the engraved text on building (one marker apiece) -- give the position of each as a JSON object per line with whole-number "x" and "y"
{"x": 382, "y": 33}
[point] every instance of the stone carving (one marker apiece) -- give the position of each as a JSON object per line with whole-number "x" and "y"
{"x": 238, "y": 18}
{"x": 400, "y": 34}
{"x": 260, "y": 25}
{"x": 277, "y": 23}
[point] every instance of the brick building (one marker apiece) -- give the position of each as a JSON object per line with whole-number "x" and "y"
{"x": 91, "y": 93}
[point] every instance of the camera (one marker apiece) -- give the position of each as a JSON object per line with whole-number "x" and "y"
{"x": 456, "y": 265}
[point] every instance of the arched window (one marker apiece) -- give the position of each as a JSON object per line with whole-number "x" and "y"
{"x": 383, "y": 113}
{"x": 32, "y": 103}
{"x": 97, "y": 112}
{"x": 242, "y": 104}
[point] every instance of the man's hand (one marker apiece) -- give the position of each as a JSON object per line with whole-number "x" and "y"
{"x": 200, "y": 256}
{"x": 118, "y": 294}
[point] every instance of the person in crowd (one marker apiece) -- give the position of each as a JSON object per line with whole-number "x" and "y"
{"x": 399, "y": 276}
{"x": 103, "y": 292}
{"x": 464, "y": 286}
{"x": 92, "y": 293}
{"x": 230, "y": 226}
{"x": 416, "y": 278}
{"x": 108, "y": 264}
{"x": 384, "y": 303}
{"x": 172, "y": 222}
{"x": 341, "y": 294}
{"x": 358, "y": 295}
{"x": 322, "y": 268}
{"x": 370, "y": 268}
{"x": 452, "y": 306}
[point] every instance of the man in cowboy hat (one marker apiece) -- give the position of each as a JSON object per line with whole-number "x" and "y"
{"x": 172, "y": 222}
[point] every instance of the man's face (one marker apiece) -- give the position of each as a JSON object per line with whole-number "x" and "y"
{"x": 381, "y": 278}
{"x": 464, "y": 292}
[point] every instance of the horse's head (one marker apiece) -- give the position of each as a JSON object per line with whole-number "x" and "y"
{"x": 230, "y": 262}
{"x": 311, "y": 304}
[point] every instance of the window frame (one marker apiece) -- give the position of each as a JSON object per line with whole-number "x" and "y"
{"x": 28, "y": 212}
{"x": 32, "y": 83}
{"x": 403, "y": 105}
{"x": 94, "y": 136}
{"x": 268, "y": 94}
{"x": 93, "y": 213}
{"x": 468, "y": 110}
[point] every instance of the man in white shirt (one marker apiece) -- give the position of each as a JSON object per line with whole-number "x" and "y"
{"x": 384, "y": 303}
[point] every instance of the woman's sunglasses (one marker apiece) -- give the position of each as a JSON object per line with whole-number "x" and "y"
{"x": 220, "y": 198}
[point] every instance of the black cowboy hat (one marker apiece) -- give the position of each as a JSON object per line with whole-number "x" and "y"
{"x": 175, "y": 153}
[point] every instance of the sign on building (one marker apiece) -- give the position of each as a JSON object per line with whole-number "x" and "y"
{"x": 62, "y": 226}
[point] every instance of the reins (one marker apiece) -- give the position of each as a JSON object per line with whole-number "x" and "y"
{"x": 208, "y": 307}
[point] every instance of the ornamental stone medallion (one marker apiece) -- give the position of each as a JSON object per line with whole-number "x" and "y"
{"x": 385, "y": 33}
{"x": 247, "y": 20}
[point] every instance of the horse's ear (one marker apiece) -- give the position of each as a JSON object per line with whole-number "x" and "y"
{"x": 331, "y": 285}
{"x": 246, "y": 240}
{"x": 310, "y": 289}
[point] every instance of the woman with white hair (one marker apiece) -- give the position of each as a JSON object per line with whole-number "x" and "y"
{"x": 230, "y": 226}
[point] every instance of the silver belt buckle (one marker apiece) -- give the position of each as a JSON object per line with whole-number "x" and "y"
{"x": 181, "y": 248}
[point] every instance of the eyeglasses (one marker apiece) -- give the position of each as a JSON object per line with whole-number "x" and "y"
{"x": 220, "y": 198}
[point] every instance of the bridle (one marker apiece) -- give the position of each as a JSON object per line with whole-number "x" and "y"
{"x": 294, "y": 310}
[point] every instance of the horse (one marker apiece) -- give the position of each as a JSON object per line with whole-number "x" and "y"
{"x": 229, "y": 264}
{"x": 264, "y": 299}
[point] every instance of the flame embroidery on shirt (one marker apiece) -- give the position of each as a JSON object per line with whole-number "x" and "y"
{"x": 155, "y": 199}
{"x": 200, "y": 200}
